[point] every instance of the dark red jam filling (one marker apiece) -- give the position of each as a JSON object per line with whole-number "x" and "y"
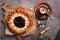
{"x": 19, "y": 22}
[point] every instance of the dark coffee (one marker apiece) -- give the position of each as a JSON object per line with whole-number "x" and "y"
{"x": 40, "y": 15}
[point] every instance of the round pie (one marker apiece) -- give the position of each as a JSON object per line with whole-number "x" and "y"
{"x": 20, "y": 21}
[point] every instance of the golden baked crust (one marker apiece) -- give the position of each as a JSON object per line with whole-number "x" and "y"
{"x": 19, "y": 11}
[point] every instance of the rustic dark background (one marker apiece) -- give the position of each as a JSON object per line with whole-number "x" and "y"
{"x": 55, "y": 4}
